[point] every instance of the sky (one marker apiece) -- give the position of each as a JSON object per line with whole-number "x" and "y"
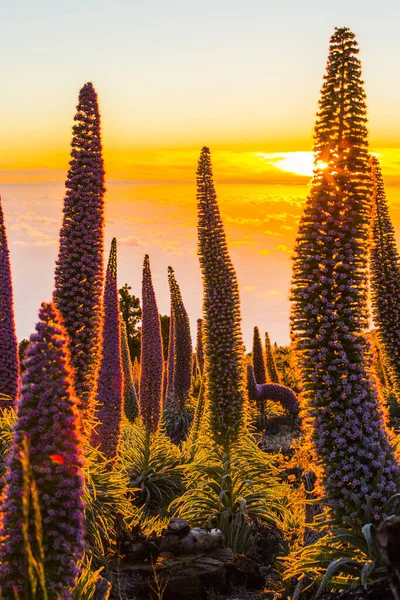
{"x": 240, "y": 76}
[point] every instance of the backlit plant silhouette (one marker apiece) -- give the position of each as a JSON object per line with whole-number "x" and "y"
{"x": 130, "y": 396}
{"x": 258, "y": 359}
{"x": 9, "y": 361}
{"x": 45, "y": 511}
{"x": 107, "y": 432}
{"x": 329, "y": 294}
{"x": 225, "y": 384}
{"x": 385, "y": 278}
{"x": 272, "y": 371}
{"x": 79, "y": 269}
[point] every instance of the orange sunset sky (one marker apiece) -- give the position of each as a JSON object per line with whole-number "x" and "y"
{"x": 242, "y": 77}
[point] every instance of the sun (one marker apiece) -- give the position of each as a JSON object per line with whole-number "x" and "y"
{"x": 300, "y": 163}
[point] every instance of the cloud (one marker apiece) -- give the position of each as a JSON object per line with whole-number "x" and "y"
{"x": 283, "y": 248}
{"x": 272, "y": 233}
{"x": 31, "y": 217}
{"x": 38, "y": 237}
{"x": 129, "y": 241}
{"x": 265, "y": 252}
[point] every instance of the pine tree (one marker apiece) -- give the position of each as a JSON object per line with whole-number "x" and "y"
{"x": 385, "y": 278}
{"x": 272, "y": 371}
{"x": 151, "y": 363}
{"x": 79, "y": 268}
{"x": 107, "y": 432}
{"x": 224, "y": 368}
{"x": 9, "y": 357}
{"x": 182, "y": 366}
{"x": 329, "y": 294}
{"x": 44, "y": 470}
{"x": 258, "y": 359}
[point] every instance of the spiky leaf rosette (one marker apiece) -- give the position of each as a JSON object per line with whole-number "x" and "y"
{"x": 169, "y": 391}
{"x": 258, "y": 359}
{"x": 107, "y": 432}
{"x": 151, "y": 360}
{"x": 130, "y": 396}
{"x": 48, "y": 422}
{"x": 272, "y": 371}
{"x": 225, "y": 386}
{"x": 9, "y": 361}
{"x": 385, "y": 278}
{"x": 329, "y": 295}
{"x": 199, "y": 346}
{"x": 182, "y": 344}
{"x": 79, "y": 268}
{"x": 270, "y": 391}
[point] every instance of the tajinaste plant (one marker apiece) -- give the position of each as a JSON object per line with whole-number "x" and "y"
{"x": 169, "y": 375}
{"x": 224, "y": 368}
{"x": 385, "y": 278}
{"x": 270, "y": 391}
{"x": 272, "y": 371}
{"x": 9, "y": 360}
{"x": 48, "y": 424}
{"x": 79, "y": 269}
{"x": 151, "y": 360}
{"x": 199, "y": 345}
{"x": 131, "y": 408}
{"x": 107, "y": 432}
{"x": 182, "y": 374}
{"x": 258, "y": 359}
{"x": 329, "y": 294}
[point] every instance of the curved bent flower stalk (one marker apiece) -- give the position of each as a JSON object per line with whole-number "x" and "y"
{"x": 271, "y": 391}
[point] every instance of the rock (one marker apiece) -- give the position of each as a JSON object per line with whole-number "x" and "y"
{"x": 246, "y": 572}
{"x": 196, "y": 541}
{"x": 177, "y": 527}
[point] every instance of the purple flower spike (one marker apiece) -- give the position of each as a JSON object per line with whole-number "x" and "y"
{"x": 385, "y": 279}
{"x": 330, "y": 299}
{"x": 48, "y": 422}
{"x": 169, "y": 392}
{"x": 258, "y": 359}
{"x": 270, "y": 391}
{"x": 199, "y": 346}
{"x": 9, "y": 362}
{"x": 151, "y": 360}
{"x": 182, "y": 345}
{"x": 79, "y": 268}
{"x": 130, "y": 396}
{"x": 107, "y": 433}
{"x": 272, "y": 371}
{"x": 225, "y": 383}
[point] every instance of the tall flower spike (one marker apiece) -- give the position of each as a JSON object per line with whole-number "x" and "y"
{"x": 79, "y": 268}
{"x": 130, "y": 396}
{"x": 272, "y": 371}
{"x": 151, "y": 360}
{"x": 9, "y": 361}
{"x": 169, "y": 391}
{"x": 225, "y": 383}
{"x": 385, "y": 278}
{"x": 107, "y": 432}
{"x": 329, "y": 294}
{"x": 199, "y": 346}
{"x": 258, "y": 359}
{"x": 271, "y": 391}
{"x": 182, "y": 344}
{"x": 48, "y": 422}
